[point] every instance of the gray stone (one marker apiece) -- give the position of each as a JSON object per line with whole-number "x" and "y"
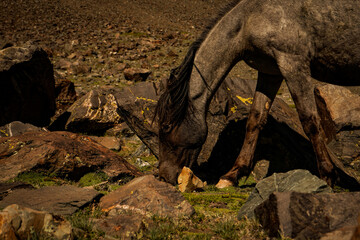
{"x": 58, "y": 200}
{"x": 295, "y": 180}
{"x": 308, "y": 215}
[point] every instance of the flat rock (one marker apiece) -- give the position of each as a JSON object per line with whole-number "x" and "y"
{"x": 308, "y": 215}
{"x": 148, "y": 195}
{"x": 18, "y": 222}
{"x": 17, "y": 128}
{"x": 296, "y": 180}
{"x": 62, "y": 153}
{"x": 27, "y": 85}
{"x": 58, "y": 200}
{"x": 8, "y": 187}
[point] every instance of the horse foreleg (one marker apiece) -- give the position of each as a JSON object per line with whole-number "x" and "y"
{"x": 299, "y": 81}
{"x": 266, "y": 89}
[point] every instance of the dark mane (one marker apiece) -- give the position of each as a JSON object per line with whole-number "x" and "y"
{"x": 174, "y": 102}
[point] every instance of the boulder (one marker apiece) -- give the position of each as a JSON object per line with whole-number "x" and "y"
{"x": 58, "y": 200}
{"x": 18, "y": 222}
{"x": 27, "y": 86}
{"x": 296, "y": 180}
{"x": 188, "y": 182}
{"x": 149, "y": 196}
{"x": 282, "y": 142}
{"x": 62, "y": 153}
{"x": 17, "y": 128}
{"x": 339, "y": 109}
{"x": 93, "y": 113}
{"x": 136, "y": 74}
{"x": 308, "y": 215}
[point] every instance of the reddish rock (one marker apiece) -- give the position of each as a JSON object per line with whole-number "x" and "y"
{"x": 8, "y": 187}
{"x": 307, "y": 215}
{"x": 148, "y": 196}
{"x": 62, "y": 153}
{"x": 136, "y": 74}
{"x": 27, "y": 86}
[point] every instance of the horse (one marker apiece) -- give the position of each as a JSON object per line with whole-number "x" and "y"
{"x": 298, "y": 41}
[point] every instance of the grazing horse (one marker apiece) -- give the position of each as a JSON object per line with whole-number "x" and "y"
{"x": 292, "y": 40}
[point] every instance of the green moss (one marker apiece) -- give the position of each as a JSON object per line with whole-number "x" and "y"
{"x": 37, "y": 179}
{"x": 93, "y": 178}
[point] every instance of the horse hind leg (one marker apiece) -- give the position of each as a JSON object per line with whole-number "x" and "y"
{"x": 296, "y": 72}
{"x": 266, "y": 89}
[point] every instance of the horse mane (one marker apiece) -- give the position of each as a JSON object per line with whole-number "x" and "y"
{"x": 174, "y": 103}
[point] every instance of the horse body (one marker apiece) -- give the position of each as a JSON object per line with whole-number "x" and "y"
{"x": 283, "y": 39}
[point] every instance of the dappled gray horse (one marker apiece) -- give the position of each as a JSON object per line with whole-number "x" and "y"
{"x": 295, "y": 40}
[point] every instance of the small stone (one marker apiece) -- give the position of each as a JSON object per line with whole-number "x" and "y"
{"x": 136, "y": 74}
{"x": 188, "y": 182}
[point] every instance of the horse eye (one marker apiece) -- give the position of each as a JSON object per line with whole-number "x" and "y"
{"x": 166, "y": 128}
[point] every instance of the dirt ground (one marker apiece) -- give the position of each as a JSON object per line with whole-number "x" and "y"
{"x": 100, "y": 38}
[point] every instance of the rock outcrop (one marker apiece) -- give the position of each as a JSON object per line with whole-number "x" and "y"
{"x": 27, "y": 86}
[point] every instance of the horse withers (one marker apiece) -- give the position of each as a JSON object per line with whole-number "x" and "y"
{"x": 292, "y": 40}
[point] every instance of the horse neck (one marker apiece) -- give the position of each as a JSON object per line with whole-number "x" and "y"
{"x": 217, "y": 54}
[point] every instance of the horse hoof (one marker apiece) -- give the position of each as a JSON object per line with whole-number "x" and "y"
{"x": 223, "y": 183}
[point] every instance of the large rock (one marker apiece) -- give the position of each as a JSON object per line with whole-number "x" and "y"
{"x": 282, "y": 142}
{"x": 18, "y": 222}
{"x": 94, "y": 113}
{"x": 308, "y": 215}
{"x": 136, "y": 107}
{"x": 26, "y": 86}
{"x": 62, "y": 153}
{"x": 148, "y": 195}
{"x": 58, "y": 200}
{"x": 339, "y": 109}
{"x": 296, "y": 180}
